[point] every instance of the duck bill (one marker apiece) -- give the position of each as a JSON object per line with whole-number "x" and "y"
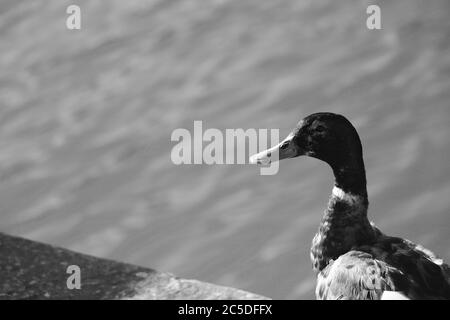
{"x": 284, "y": 150}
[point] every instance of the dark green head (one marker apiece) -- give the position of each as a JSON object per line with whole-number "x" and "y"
{"x": 329, "y": 137}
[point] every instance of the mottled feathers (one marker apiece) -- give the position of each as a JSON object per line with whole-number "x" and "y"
{"x": 357, "y": 275}
{"x": 389, "y": 264}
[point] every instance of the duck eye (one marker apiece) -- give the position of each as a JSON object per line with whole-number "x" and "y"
{"x": 320, "y": 129}
{"x": 284, "y": 145}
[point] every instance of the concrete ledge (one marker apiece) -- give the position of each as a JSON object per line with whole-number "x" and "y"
{"x": 33, "y": 270}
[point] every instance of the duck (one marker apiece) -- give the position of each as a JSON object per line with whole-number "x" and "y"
{"x": 352, "y": 258}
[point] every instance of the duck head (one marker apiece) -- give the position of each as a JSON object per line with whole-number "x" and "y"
{"x": 328, "y": 137}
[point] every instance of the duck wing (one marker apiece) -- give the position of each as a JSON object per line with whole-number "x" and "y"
{"x": 431, "y": 256}
{"x": 409, "y": 245}
{"x": 356, "y": 275}
{"x": 390, "y": 264}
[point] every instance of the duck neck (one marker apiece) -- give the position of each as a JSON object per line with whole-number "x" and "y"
{"x": 344, "y": 224}
{"x": 350, "y": 174}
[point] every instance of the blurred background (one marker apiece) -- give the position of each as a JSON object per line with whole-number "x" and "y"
{"x": 86, "y": 118}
